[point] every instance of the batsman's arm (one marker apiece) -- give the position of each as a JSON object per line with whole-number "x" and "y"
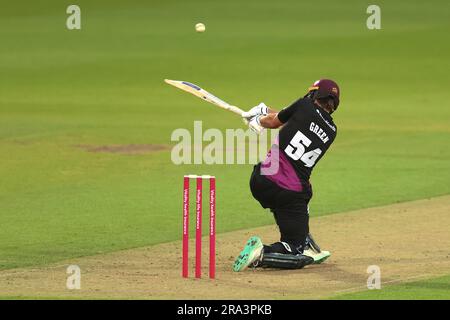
{"x": 276, "y": 119}
{"x": 271, "y": 120}
{"x": 262, "y": 112}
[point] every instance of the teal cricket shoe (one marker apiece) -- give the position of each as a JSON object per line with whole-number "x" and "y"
{"x": 251, "y": 253}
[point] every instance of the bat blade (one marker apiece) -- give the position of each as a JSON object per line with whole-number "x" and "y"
{"x": 203, "y": 94}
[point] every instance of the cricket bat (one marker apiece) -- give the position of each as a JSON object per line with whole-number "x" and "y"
{"x": 205, "y": 95}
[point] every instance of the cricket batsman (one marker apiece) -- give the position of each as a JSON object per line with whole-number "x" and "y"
{"x": 307, "y": 131}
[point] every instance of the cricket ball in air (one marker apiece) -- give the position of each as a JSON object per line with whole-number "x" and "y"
{"x": 200, "y": 27}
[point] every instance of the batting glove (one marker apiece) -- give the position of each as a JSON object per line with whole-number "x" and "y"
{"x": 255, "y": 125}
{"x": 260, "y": 109}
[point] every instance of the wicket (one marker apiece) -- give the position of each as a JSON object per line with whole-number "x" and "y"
{"x": 198, "y": 226}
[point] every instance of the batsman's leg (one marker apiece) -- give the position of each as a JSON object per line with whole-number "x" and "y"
{"x": 313, "y": 250}
{"x": 295, "y": 236}
{"x": 278, "y": 255}
{"x": 282, "y": 255}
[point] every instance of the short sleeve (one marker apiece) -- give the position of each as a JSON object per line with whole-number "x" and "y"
{"x": 285, "y": 114}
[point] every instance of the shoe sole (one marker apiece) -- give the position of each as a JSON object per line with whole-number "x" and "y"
{"x": 322, "y": 256}
{"x": 252, "y": 248}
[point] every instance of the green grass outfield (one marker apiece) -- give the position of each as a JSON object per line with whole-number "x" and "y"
{"x": 430, "y": 289}
{"x": 103, "y": 85}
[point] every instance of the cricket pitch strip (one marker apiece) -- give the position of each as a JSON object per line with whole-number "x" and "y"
{"x": 408, "y": 241}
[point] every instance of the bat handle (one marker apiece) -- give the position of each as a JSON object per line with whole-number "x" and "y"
{"x": 236, "y": 110}
{"x": 239, "y": 112}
